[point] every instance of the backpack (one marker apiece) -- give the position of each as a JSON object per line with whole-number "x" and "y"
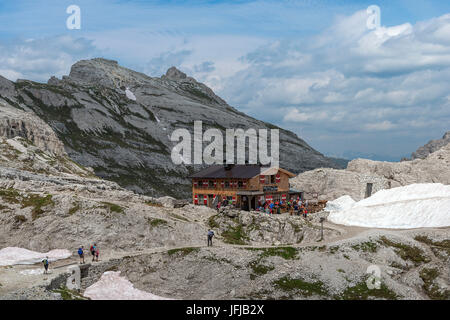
{"x": 80, "y": 251}
{"x": 91, "y": 249}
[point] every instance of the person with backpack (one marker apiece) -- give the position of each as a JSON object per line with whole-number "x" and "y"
{"x": 81, "y": 254}
{"x": 93, "y": 248}
{"x": 210, "y": 236}
{"x": 46, "y": 263}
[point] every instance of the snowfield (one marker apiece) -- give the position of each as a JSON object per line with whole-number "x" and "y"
{"x": 413, "y": 206}
{"x": 112, "y": 286}
{"x": 12, "y": 255}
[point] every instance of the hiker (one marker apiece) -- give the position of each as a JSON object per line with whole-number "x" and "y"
{"x": 45, "y": 262}
{"x": 210, "y": 236}
{"x": 93, "y": 248}
{"x": 81, "y": 254}
{"x": 305, "y": 213}
{"x": 97, "y": 253}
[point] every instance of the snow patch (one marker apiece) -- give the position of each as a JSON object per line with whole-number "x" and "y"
{"x": 112, "y": 286}
{"x": 12, "y": 255}
{"x": 130, "y": 95}
{"x": 414, "y": 206}
{"x": 342, "y": 203}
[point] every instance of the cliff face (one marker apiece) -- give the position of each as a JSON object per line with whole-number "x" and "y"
{"x": 17, "y": 123}
{"x": 119, "y": 122}
{"x": 431, "y": 147}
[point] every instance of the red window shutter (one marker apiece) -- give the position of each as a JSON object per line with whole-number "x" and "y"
{"x": 215, "y": 183}
{"x": 205, "y": 183}
{"x": 244, "y": 184}
{"x": 195, "y": 183}
{"x": 195, "y": 199}
{"x": 278, "y": 178}
{"x": 262, "y": 179}
{"x": 283, "y": 197}
{"x": 222, "y": 184}
{"x": 234, "y": 199}
{"x": 205, "y": 199}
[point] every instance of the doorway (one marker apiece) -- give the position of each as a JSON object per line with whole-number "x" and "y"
{"x": 369, "y": 188}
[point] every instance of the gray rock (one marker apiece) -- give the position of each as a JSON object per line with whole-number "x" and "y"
{"x": 127, "y": 141}
{"x": 431, "y": 147}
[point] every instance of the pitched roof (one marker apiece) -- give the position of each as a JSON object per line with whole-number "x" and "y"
{"x": 237, "y": 171}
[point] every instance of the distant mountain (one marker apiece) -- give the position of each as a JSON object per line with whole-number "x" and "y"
{"x": 431, "y": 147}
{"x": 118, "y": 122}
{"x": 351, "y": 155}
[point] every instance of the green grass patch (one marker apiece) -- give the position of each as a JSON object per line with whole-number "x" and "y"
{"x": 361, "y": 292}
{"x": 287, "y": 253}
{"x": 155, "y": 222}
{"x": 235, "y": 235}
{"x": 37, "y": 202}
{"x": 176, "y": 216}
{"x": 212, "y": 223}
{"x": 367, "y": 246}
{"x": 182, "y": 251}
{"x": 112, "y": 207}
{"x": 431, "y": 289}
{"x": 407, "y": 252}
{"x": 301, "y": 286}
{"x": 435, "y": 245}
{"x": 259, "y": 269}
{"x": 10, "y": 195}
{"x": 74, "y": 209}
{"x": 67, "y": 294}
{"x": 153, "y": 204}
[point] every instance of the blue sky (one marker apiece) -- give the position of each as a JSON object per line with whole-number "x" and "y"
{"x": 309, "y": 66}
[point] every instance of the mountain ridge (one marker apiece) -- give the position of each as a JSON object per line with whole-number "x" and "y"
{"x": 128, "y": 140}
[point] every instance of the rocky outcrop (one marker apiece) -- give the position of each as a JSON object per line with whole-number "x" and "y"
{"x": 431, "y": 147}
{"x": 15, "y": 122}
{"x": 435, "y": 168}
{"x": 330, "y": 184}
{"x": 127, "y": 140}
{"x": 363, "y": 175}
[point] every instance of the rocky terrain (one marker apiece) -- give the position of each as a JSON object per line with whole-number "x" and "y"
{"x": 431, "y": 147}
{"x": 49, "y": 201}
{"x": 119, "y": 122}
{"x": 331, "y": 184}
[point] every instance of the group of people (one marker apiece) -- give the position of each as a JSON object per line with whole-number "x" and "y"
{"x": 95, "y": 252}
{"x": 294, "y": 207}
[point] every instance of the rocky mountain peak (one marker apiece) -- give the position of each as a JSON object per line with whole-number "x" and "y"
{"x": 104, "y": 72}
{"x": 174, "y": 74}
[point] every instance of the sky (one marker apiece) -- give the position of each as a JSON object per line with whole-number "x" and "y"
{"x": 311, "y": 66}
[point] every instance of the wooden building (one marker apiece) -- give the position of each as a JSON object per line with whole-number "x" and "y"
{"x": 246, "y": 186}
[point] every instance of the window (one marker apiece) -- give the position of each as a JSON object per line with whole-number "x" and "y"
{"x": 240, "y": 184}
{"x": 227, "y": 184}
{"x": 211, "y": 184}
{"x": 272, "y": 179}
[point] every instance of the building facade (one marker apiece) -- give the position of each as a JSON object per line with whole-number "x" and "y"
{"x": 246, "y": 186}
